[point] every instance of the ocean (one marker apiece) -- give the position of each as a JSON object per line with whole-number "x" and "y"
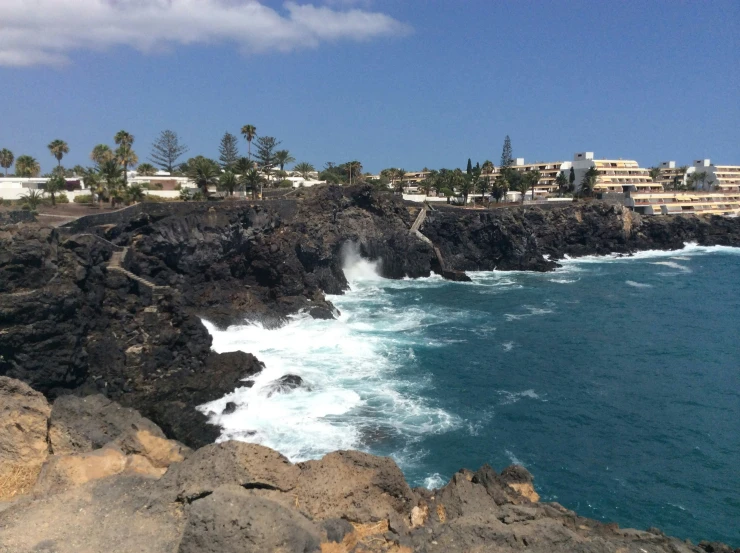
{"x": 614, "y": 380}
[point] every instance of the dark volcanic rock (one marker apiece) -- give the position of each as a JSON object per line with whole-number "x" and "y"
{"x": 530, "y": 238}
{"x": 230, "y": 408}
{"x": 285, "y": 384}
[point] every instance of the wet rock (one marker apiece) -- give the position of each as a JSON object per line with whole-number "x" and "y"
{"x": 286, "y": 384}
{"x": 230, "y": 408}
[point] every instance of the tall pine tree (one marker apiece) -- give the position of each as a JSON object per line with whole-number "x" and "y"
{"x": 469, "y": 170}
{"x": 229, "y": 151}
{"x": 506, "y": 156}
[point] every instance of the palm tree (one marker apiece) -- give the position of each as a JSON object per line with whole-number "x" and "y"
{"x": 6, "y": 159}
{"x": 135, "y": 193}
{"x": 55, "y": 185}
{"x": 354, "y": 167}
{"x": 589, "y": 182}
{"x": 533, "y": 179}
{"x": 400, "y": 175}
{"x": 146, "y": 170}
{"x": 251, "y": 179}
{"x": 123, "y": 138}
{"x": 100, "y": 154}
{"x": 228, "y": 182}
{"x": 483, "y": 186}
{"x": 305, "y": 169}
{"x": 249, "y": 132}
{"x": 282, "y": 158}
{"x": 32, "y": 199}
{"x": 654, "y": 173}
{"x": 58, "y": 148}
{"x": 27, "y": 166}
{"x": 126, "y": 156}
{"x": 111, "y": 174}
{"x": 500, "y": 188}
{"x": 562, "y": 181}
{"x": 204, "y": 173}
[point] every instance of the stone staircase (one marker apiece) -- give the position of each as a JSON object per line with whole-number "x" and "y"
{"x": 116, "y": 264}
{"x": 449, "y": 274}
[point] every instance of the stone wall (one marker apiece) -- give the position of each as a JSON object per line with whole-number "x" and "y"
{"x": 16, "y": 216}
{"x": 285, "y": 208}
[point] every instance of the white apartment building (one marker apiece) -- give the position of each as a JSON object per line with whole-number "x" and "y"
{"x": 723, "y": 178}
{"x": 614, "y": 175}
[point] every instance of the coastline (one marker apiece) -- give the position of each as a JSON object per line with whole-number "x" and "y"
{"x": 112, "y": 336}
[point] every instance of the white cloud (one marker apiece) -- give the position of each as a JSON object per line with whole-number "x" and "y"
{"x": 47, "y": 31}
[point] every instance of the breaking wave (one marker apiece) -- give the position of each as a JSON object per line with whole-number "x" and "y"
{"x": 352, "y": 395}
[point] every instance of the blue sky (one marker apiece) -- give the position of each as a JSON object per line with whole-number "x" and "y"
{"x": 391, "y": 83}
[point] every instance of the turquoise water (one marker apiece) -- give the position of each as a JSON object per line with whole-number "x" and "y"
{"x": 616, "y": 382}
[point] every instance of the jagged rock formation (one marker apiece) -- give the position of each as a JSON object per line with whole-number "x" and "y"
{"x": 71, "y": 319}
{"x": 529, "y": 238}
{"x": 141, "y": 492}
{"x": 71, "y": 325}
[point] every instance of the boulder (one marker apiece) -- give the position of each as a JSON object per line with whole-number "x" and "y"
{"x": 248, "y": 465}
{"x": 285, "y": 384}
{"x": 355, "y": 486}
{"x": 62, "y": 472}
{"x": 232, "y": 520}
{"x": 24, "y": 416}
{"x": 160, "y": 452}
{"x": 80, "y": 424}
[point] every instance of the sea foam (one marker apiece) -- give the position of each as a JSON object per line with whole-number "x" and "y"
{"x": 353, "y": 397}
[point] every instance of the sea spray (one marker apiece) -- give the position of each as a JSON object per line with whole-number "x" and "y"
{"x": 352, "y": 397}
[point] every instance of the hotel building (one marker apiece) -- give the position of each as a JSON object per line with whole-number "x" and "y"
{"x": 671, "y": 176}
{"x": 548, "y": 173}
{"x": 722, "y": 178}
{"x": 684, "y": 203}
{"x": 614, "y": 175}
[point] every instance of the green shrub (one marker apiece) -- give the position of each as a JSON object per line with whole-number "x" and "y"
{"x": 62, "y": 198}
{"x": 285, "y": 184}
{"x": 83, "y": 199}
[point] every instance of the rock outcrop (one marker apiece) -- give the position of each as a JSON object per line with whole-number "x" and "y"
{"x": 530, "y": 238}
{"x": 140, "y": 492}
{"x": 69, "y": 322}
{"x": 24, "y": 416}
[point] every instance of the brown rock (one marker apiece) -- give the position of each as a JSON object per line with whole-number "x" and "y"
{"x": 62, "y": 472}
{"x": 80, "y": 424}
{"x": 353, "y": 485}
{"x": 24, "y": 416}
{"x": 232, "y": 520}
{"x": 160, "y": 452}
{"x": 249, "y": 465}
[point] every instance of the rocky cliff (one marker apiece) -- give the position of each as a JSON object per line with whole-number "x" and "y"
{"x": 88, "y": 475}
{"x": 70, "y": 320}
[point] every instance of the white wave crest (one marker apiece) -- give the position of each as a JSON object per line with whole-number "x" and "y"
{"x": 434, "y": 481}
{"x": 637, "y": 284}
{"x": 673, "y": 265}
{"x": 508, "y": 398}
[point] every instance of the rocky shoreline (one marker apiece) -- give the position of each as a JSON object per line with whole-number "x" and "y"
{"x": 87, "y": 475}
{"x": 114, "y": 308}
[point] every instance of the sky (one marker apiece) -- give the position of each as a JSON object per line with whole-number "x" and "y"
{"x": 392, "y": 83}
